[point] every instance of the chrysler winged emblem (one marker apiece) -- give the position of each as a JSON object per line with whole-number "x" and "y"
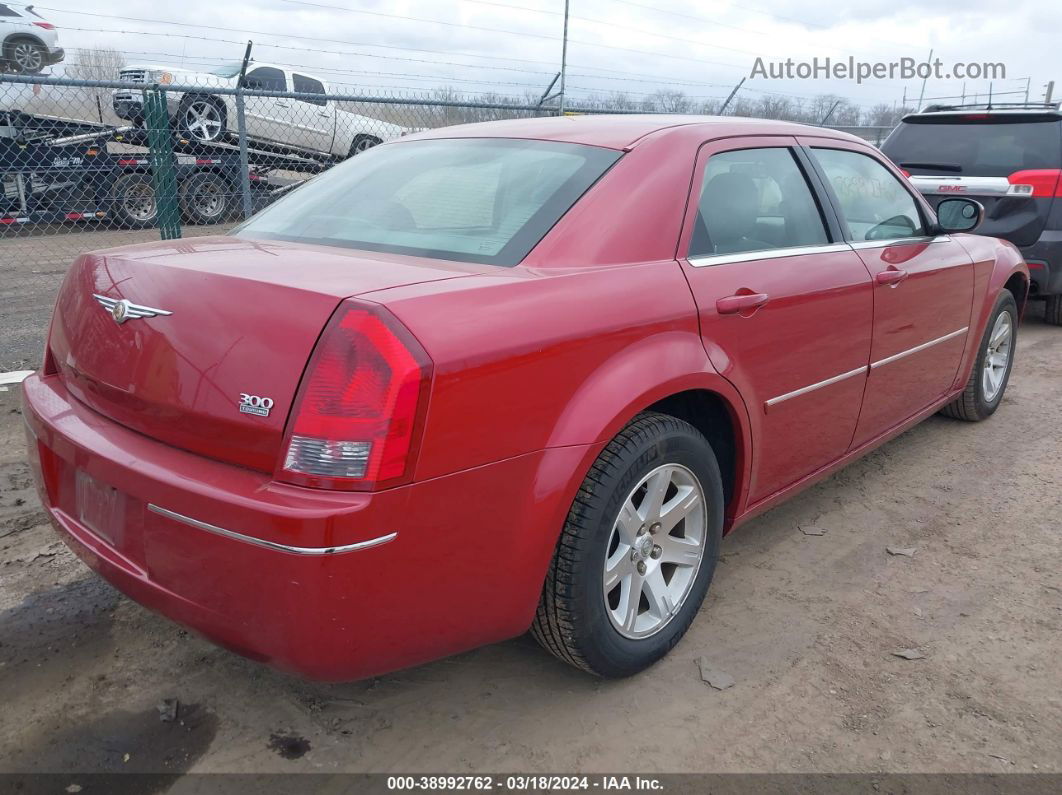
{"x": 122, "y": 310}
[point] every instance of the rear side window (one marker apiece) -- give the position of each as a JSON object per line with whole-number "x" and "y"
{"x": 985, "y": 148}
{"x": 7, "y": 11}
{"x": 307, "y": 85}
{"x": 486, "y": 200}
{"x": 872, "y": 201}
{"x": 755, "y": 200}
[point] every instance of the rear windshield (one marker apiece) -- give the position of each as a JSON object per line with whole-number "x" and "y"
{"x": 485, "y": 200}
{"x": 983, "y": 148}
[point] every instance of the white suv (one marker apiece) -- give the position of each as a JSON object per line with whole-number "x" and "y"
{"x": 29, "y": 42}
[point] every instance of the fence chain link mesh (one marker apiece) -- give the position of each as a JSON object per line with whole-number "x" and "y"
{"x": 92, "y": 164}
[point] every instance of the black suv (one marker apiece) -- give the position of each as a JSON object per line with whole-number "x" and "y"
{"x": 1008, "y": 157}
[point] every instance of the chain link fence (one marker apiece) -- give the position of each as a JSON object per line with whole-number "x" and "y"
{"x": 90, "y": 164}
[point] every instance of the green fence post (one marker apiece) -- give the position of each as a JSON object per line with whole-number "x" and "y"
{"x": 161, "y": 158}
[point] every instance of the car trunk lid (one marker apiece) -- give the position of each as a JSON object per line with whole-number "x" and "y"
{"x": 201, "y": 344}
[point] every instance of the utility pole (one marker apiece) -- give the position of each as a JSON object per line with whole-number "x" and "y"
{"x": 1050, "y": 91}
{"x": 722, "y": 110}
{"x": 1028, "y": 82}
{"x": 924, "y": 79}
{"x": 564, "y": 57}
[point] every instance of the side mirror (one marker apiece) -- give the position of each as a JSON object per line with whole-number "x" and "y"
{"x": 960, "y": 215}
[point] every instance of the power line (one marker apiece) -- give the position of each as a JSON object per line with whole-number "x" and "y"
{"x": 604, "y": 70}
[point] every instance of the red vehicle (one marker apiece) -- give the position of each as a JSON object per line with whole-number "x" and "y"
{"x": 495, "y": 377}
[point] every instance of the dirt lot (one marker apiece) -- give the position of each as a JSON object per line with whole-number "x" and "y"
{"x": 806, "y": 625}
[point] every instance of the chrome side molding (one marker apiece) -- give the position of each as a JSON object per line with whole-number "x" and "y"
{"x": 812, "y": 387}
{"x": 261, "y": 542}
{"x": 918, "y": 348}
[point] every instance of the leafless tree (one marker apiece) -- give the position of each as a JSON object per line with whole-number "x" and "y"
{"x": 96, "y": 63}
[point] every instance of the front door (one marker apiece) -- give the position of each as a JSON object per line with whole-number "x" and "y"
{"x": 923, "y": 286}
{"x": 785, "y": 304}
{"x": 267, "y": 117}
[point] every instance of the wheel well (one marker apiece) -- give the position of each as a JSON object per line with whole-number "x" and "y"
{"x": 22, "y": 37}
{"x": 708, "y": 413}
{"x": 1018, "y": 285}
{"x": 216, "y": 100}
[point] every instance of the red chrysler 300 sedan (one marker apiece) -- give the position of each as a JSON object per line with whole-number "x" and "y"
{"x": 504, "y": 376}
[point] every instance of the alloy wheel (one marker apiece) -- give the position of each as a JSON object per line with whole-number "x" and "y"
{"x": 202, "y": 119}
{"x": 654, "y": 551}
{"x": 997, "y": 356}
{"x": 27, "y": 57}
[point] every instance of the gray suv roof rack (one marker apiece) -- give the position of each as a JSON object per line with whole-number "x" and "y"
{"x": 993, "y": 106}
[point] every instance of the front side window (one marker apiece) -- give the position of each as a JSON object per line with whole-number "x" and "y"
{"x": 307, "y": 85}
{"x": 486, "y": 200}
{"x": 265, "y": 78}
{"x": 873, "y": 202}
{"x": 755, "y": 200}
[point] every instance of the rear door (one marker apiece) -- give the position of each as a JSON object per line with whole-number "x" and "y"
{"x": 923, "y": 284}
{"x": 1010, "y": 162}
{"x": 314, "y": 118}
{"x": 784, "y": 304}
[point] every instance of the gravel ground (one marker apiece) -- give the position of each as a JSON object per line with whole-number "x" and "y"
{"x": 806, "y": 625}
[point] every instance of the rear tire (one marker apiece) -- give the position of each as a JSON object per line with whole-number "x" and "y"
{"x": 134, "y": 201}
{"x": 25, "y": 56}
{"x": 1053, "y": 310}
{"x": 613, "y": 608}
{"x": 362, "y": 143}
{"x": 991, "y": 370}
{"x": 206, "y": 198}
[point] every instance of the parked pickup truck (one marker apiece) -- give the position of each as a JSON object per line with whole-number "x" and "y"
{"x": 313, "y": 124}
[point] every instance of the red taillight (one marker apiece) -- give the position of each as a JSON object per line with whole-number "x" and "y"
{"x": 360, "y": 404}
{"x": 1040, "y": 183}
{"x": 905, "y": 172}
{"x": 45, "y": 25}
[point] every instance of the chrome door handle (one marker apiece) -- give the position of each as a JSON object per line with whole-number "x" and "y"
{"x": 891, "y": 276}
{"x": 742, "y": 302}
{"x": 282, "y": 104}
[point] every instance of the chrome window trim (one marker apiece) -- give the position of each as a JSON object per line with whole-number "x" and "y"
{"x": 918, "y": 348}
{"x": 812, "y": 387}
{"x": 261, "y": 542}
{"x": 894, "y": 241}
{"x": 705, "y": 260}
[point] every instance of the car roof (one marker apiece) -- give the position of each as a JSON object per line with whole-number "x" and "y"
{"x": 623, "y": 131}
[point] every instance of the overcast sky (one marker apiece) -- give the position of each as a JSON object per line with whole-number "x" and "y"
{"x": 636, "y": 46}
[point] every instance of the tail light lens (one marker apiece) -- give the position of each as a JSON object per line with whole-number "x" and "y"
{"x": 360, "y": 405}
{"x": 1040, "y": 183}
{"x": 45, "y": 25}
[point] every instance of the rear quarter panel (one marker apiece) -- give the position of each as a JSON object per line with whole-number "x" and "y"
{"x": 995, "y": 262}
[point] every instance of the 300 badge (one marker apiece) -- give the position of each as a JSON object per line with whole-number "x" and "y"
{"x": 253, "y": 404}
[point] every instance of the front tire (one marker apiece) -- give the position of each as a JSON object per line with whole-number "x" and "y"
{"x": 991, "y": 370}
{"x": 202, "y": 119}
{"x": 637, "y": 552}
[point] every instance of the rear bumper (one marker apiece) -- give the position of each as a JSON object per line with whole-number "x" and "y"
{"x": 1045, "y": 264}
{"x": 310, "y": 582}
{"x": 55, "y": 56}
